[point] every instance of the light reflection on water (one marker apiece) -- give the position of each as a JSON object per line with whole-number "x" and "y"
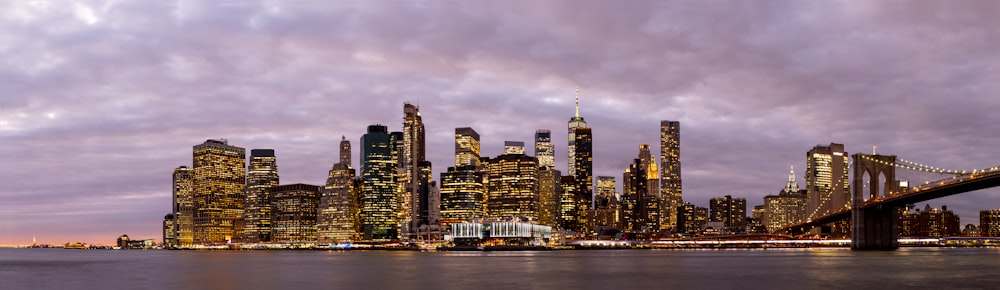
{"x": 597, "y": 269}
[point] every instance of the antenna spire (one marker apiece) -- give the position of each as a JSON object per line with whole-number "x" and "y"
{"x": 577, "y": 102}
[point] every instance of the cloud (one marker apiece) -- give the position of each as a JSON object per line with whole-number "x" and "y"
{"x": 102, "y": 99}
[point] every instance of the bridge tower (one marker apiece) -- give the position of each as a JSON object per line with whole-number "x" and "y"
{"x": 877, "y": 227}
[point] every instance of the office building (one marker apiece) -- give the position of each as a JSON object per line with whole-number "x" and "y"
{"x": 690, "y": 219}
{"x": 380, "y": 201}
{"x": 785, "y": 208}
{"x": 466, "y": 147}
{"x": 670, "y": 172}
{"x": 219, "y": 178}
{"x": 731, "y": 212}
{"x": 826, "y": 180}
{"x": 544, "y": 150}
{"x": 640, "y": 209}
{"x": 549, "y": 195}
{"x": 294, "y": 210}
{"x": 411, "y": 157}
{"x": 930, "y": 222}
{"x": 513, "y": 147}
{"x": 183, "y": 206}
{"x": 463, "y": 195}
{"x": 262, "y": 175}
{"x": 605, "y": 213}
{"x": 169, "y": 224}
{"x": 337, "y": 219}
{"x": 584, "y": 166}
{"x": 989, "y": 223}
{"x": 512, "y": 186}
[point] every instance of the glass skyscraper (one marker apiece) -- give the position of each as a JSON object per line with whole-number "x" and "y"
{"x": 379, "y": 199}
{"x": 576, "y": 122}
{"x": 544, "y": 150}
{"x": 294, "y": 212}
{"x": 466, "y": 147}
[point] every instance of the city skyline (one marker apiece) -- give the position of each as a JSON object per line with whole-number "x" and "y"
{"x": 102, "y": 104}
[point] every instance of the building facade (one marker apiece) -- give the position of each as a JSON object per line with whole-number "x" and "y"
{"x": 219, "y": 179}
{"x": 463, "y": 195}
{"x": 785, "y": 208}
{"x": 670, "y": 172}
{"x": 544, "y": 150}
{"x": 293, "y": 209}
{"x": 183, "y": 206}
{"x": 584, "y": 165}
{"x": 826, "y": 180}
{"x": 338, "y": 216}
{"x": 466, "y": 147}
{"x": 380, "y": 201}
{"x": 512, "y": 187}
{"x": 262, "y": 175}
{"x": 989, "y": 223}
{"x": 930, "y": 222}
{"x": 731, "y": 212}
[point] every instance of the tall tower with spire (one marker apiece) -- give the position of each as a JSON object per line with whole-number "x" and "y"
{"x": 792, "y": 186}
{"x": 574, "y": 123}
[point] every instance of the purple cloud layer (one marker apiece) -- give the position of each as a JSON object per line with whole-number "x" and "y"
{"x": 102, "y": 99}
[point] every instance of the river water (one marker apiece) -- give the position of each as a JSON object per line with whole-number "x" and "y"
{"x": 913, "y": 268}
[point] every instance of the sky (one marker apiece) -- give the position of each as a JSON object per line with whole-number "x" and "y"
{"x": 101, "y": 100}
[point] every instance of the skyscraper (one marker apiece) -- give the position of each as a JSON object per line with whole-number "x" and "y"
{"x": 466, "y": 147}
{"x": 583, "y": 160}
{"x": 183, "y": 206}
{"x": 606, "y": 203}
{"x": 411, "y": 158}
{"x": 294, "y": 212}
{"x": 219, "y": 178}
{"x": 670, "y": 172}
{"x": 512, "y": 186}
{"x": 826, "y": 180}
{"x": 544, "y": 150}
{"x": 549, "y": 191}
{"x": 379, "y": 199}
{"x": 655, "y": 203}
{"x": 463, "y": 195}
{"x": 576, "y": 122}
{"x": 638, "y": 209}
{"x": 262, "y": 174}
{"x": 338, "y": 207}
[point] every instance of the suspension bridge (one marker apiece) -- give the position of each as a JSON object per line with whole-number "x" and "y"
{"x": 874, "y": 209}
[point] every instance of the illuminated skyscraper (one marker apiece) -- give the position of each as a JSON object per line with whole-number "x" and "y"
{"x": 512, "y": 187}
{"x": 787, "y": 207}
{"x": 670, "y": 172}
{"x": 730, "y": 211}
{"x": 584, "y": 165}
{"x": 463, "y": 195}
{"x": 262, "y": 174}
{"x": 606, "y": 204}
{"x": 549, "y": 191}
{"x": 183, "y": 200}
{"x": 576, "y": 122}
{"x": 379, "y": 197}
{"x": 219, "y": 182}
{"x": 338, "y": 207}
{"x": 466, "y": 147}
{"x": 640, "y": 203}
{"x": 569, "y": 214}
{"x": 411, "y": 157}
{"x": 989, "y": 223}
{"x": 544, "y": 150}
{"x": 294, "y": 212}
{"x": 826, "y": 180}
{"x": 656, "y": 204}
{"x": 513, "y": 147}
{"x": 169, "y": 228}
{"x": 690, "y": 219}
